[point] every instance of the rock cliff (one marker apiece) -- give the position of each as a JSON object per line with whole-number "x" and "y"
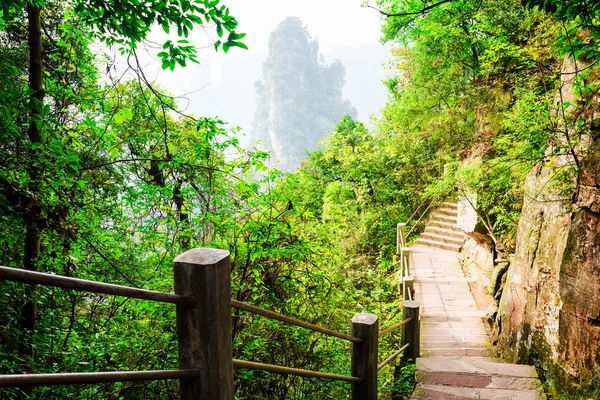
{"x": 548, "y": 290}
{"x": 299, "y": 99}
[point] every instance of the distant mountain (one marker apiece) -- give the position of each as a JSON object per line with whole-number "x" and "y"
{"x": 233, "y": 98}
{"x": 299, "y": 98}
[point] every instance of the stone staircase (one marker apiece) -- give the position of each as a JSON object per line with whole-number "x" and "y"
{"x": 441, "y": 231}
{"x": 455, "y": 362}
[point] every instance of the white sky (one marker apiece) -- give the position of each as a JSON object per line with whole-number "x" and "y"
{"x": 337, "y": 23}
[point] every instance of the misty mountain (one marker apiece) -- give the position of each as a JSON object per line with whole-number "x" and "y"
{"x": 299, "y": 98}
{"x": 227, "y": 89}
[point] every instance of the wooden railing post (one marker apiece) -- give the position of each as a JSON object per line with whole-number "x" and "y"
{"x": 204, "y": 328}
{"x": 364, "y": 356}
{"x": 411, "y": 332}
{"x": 409, "y": 288}
{"x": 405, "y": 253}
{"x": 400, "y": 237}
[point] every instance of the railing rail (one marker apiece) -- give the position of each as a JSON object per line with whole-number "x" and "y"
{"x": 292, "y": 321}
{"x": 395, "y": 326}
{"x": 393, "y": 356}
{"x": 202, "y": 281}
{"x": 434, "y": 201}
{"x": 79, "y": 378}
{"x": 32, "y": 277}
{"x": 278, "y": 369}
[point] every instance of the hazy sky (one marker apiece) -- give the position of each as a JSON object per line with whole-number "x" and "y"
{"x": 337, "y": 23}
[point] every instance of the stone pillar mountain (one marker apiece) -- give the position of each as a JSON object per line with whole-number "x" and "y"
{"x": 299, "y": 98}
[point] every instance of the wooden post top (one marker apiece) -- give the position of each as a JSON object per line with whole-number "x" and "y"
{"x": 365, "y": 319}
{"x": 411, "y": 304}
{"x": 202, "y": 256}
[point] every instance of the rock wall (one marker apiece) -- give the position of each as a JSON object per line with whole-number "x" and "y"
{"x": 549, "y": 307}
{"x": 477, "y": 256}
{"x": 548, "y": 291}
{"x": 527, "y": 323}
{"x": 467, "y": 216}
{"x": 579, "y": 323}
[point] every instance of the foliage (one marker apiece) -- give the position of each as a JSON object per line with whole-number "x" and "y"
{"x": 478, "y": 80}
{"x": 405, "y": 383}
{"x": 122, "y": 187}
{"x": 127, "y": 24}
{"x": 117, "y": 182}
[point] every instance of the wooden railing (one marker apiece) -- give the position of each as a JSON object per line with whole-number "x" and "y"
{"x": 202, "y": 281}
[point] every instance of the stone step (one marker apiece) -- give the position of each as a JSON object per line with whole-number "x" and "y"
{"x": 451, "y": 232}
{"x": 440, "y": 245}
{"x": 467, "y": 352}
{"x": 443, "y": 218}
{"x": 442, "y": 223}
{"x": 438, "y": 345}
{"x": 425, "y": 391}
{"x": 449, "y": 211}
{"x": 480, "y": 381}
{"x": 455, "y": 345}
{"x": 474, "y": 365}
{"x": 442, "y": 238}
{"x": 448, "y": 204}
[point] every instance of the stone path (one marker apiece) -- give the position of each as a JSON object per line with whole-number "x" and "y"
{"x": 455, "y": 358}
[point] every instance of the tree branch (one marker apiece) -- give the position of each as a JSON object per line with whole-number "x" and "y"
{"x": 405, "y": 14}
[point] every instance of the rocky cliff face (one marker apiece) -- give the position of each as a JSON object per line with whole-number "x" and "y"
{"x": 527, "y": 323}
{"x": 548, "y": 291}
{"x": 299, "y": 98}
{"x": 579, "y": 318}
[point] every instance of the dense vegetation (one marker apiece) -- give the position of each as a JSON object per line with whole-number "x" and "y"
{"x": 101, "y": 178}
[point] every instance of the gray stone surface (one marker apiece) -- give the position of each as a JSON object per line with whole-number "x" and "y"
{"x": 455, "y": 362}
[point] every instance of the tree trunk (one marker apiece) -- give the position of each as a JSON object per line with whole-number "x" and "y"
{"x": 35, "y": 71}
{"x": 32, "y": 235}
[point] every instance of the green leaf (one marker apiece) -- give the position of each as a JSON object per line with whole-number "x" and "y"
{"x": 238, "y": 44}
{"x": 127, "y": 114}
{"x": 166, "y": 28}
{"x": 235, "y": 36}
{"x": 118, "y": 117}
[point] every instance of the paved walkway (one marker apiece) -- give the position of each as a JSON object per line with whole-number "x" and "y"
{"x": 455, "y": 358}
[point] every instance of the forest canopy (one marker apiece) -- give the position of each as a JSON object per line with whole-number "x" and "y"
{"x": 103, "y": 176}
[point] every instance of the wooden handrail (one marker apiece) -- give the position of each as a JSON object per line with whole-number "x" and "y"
{"x": 277, "y": 369}
{"x": 390, "y": 358}
{"x": 202, "y": 282}
{"x": 414, "y": 212}
{"x": 293, "y": 321}
{"x": 78, "y": 378}
{"x": 31, "y": 277}
{"x": 391, "y": 328}
{"x": 421, "y": 217}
